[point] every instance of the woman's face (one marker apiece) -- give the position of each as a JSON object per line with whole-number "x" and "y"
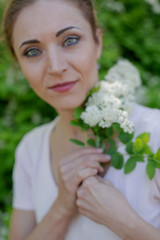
{"x": 57, "y": 53}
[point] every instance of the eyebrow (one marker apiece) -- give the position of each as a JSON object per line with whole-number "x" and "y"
{"x": 64, "y": 30}
{"x": 29, "y": 41}
{"x": 57, "y": 35}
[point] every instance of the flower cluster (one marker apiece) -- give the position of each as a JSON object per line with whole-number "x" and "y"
{"x": 112, "y": 103}
{"x": 126, "y": 73}
{"x": 106, "y": 111}
{"x": 108, "y": 106}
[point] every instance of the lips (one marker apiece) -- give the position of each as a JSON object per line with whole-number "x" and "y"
{"x": 62, "y": 87}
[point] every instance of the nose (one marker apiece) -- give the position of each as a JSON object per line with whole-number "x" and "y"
{"x": 56, "y": 63}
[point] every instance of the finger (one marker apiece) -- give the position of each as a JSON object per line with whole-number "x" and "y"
{"x": 92, "y": 161}
{"x": 87, "y": 160}
{"x": 81, "y": 192}
{"x": 89, "y": 182}
{"x": 73, "y": 181}
{"x": 84, "y": 174}
{"x": 83, "y": 207}
{"x": 71, "y": 170}
{"x": 80, "y": 153}
{"x": 105, "y": 181}
{"x": 100, "y": 179}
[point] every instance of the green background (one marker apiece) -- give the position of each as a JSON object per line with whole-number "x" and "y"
{"x": 131, "y": 29}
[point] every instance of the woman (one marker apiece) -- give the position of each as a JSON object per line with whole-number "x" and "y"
{"x": 57, "y": 191}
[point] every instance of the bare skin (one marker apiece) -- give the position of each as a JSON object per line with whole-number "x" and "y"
{"x": 97, "y": 199}
{"x": 65, "y": 51}
{"x": 72, "y": 171}
{"x": 60, "y": 58}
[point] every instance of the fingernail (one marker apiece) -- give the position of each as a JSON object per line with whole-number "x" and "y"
{"x": 108, "y": 157}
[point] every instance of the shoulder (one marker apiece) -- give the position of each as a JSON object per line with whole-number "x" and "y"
{"x": 34, "y": 141}
{"x": 37, "y": 134}
{"x": 147, "y": 119}
{"x": 145, "y": 114}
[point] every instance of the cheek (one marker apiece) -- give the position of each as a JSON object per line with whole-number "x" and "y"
{"x": 34, "y": 76}
{"x": 33, "y": 73}
{"x": 87, "y": 62}
{"x": 90, "y": 70}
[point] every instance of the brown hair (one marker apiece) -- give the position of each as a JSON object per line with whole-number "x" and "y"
{"x": 15, "y": 6}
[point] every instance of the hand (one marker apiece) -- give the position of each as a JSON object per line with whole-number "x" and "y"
{"x": 73, "y": 170}
{"x": 100, "y": 201}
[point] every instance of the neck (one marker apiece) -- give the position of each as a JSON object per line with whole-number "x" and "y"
{"x": 65, "y": 127}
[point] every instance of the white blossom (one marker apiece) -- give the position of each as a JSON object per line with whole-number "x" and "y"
{"x": 126, "y": 73}
{"x": 91, "y": 116}
{"x": 112, "y": 103}
{"x": 155, "y": 5}
{"x": 101, "y": 100}
{"x": 122, "y": 95}
{"x": 104, "y": 108}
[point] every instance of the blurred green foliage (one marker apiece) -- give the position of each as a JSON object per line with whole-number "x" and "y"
{"x": 131, "y": 29}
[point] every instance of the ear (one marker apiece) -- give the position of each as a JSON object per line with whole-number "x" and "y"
{"x": 99, "y": 42}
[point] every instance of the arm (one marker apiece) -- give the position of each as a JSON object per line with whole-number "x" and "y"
{"x": 72, "y": 172}
{"x": 142, "y": 230}
{"x": 53, "y": 226}
{"x": 99, "y": 200}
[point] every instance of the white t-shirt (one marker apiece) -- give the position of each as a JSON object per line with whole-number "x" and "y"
{"x": 35, "y": 188}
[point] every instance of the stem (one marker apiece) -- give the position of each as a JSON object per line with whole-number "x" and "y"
{"x": 98, "y": 140}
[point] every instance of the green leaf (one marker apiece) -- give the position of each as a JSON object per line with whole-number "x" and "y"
{"x": 101, "y": 133}
{"x": 129, "y": 148}
{"x": 138, "y": 146}
{"x": 138, "y": 157}
{"x": 77, "y": 142}
{"x": 147, "y": 150}
{"x": 77, "y": 112}
{"x": 157, "y": 155}
{"x": 111, "y": 141}
{"x": 150, "y": 169}
{"x": 117, "y": 127}
{"x": 112, "y": 150}
{"x": 76, "y": 123}
{"x": 144, "y": 136}
{"x": 157, "y": 165}
{"x": 91, "y": 142}
{"x": 130, "y": 165}
{"x": 95, "y": 130}
{"x": 125, "y": 137}
{"x": 109, "y": 132}
{"x": 85, "y": 125}
{"x": 79, "y": 124}
{"x": 93, "y": 90}
{"x": 117, "y": 160}
{"x": 156, "y": 162}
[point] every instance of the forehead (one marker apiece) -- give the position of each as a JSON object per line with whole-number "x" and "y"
{"x": 44, "y": 16}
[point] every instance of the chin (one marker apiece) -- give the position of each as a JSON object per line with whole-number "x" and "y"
{"x": 68, "y": 105}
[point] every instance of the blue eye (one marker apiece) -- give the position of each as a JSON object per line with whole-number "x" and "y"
{"x": 32, "y": 52}
{"x": 70, "y": 41}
